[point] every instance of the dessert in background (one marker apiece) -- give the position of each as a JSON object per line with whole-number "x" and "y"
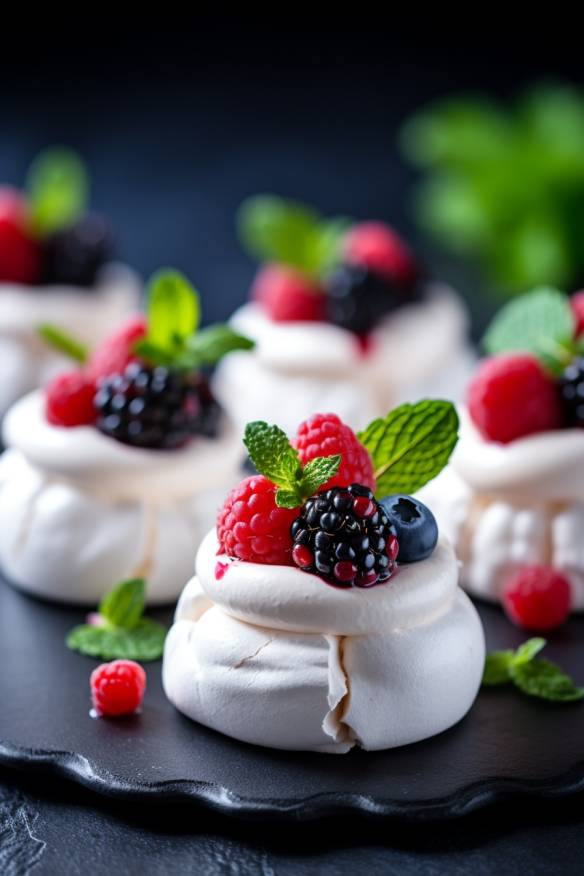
{"x": 512, "y": 498}
{"x": 343, "y": 319}
{"x": 321, "y": 617}
{"x": 116, "y": 469}
{"x": 55, "y": 266}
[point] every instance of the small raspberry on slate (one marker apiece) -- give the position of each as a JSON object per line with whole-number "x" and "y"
{"x": 117, "y": 688}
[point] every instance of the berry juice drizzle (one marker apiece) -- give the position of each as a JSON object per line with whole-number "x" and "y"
{"x": 220, "y": 570}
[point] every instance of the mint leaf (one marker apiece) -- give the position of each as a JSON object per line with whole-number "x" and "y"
{"x": 274, "y": 457}
{"x": 289, "y": 498}
{"x": 537, "y": 678}
{"x": 173, "y": 310}
{"x": 209, "y": 345}
{"x": 527, "y": 651}
{"x": 124, "y": 605}
{"x": 143, "y": 642}
{"x": 411, "y": 445}
{"x": 497, "y": 665}
{"x": 543, "y": 679}
{"x": 154, "y": 354}
{"x": 64, "y": 342}
{"x": 540, "y": 322}
{"x": 57, "y": 188}
{"x": 279, "y": 230}
{"x": 318, "y": 471}
{"x": 272, "y": 454}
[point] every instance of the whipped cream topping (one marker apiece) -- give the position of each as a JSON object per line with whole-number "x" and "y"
{"x": 431, "y": 326}
{"x": 83, "y": 456}
{"x": 547, "y": 467}
{"x": 285, "y": 598}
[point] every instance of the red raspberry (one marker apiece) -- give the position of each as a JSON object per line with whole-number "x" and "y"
{"x": 117, "y": 688}
{"x": 376, "y": 246}
{"x": 537, "y": 598}
{"x": 512, "y": 396}
{"x": 20, "y": 260}
{"x": 251, "y": 527}
{"x": 325, "y": 435}
{"x": 577, "y": 302}
{"x": 69, "y": 400}
{"x": 116, "y": 352}
{"x": 287, "y": 296}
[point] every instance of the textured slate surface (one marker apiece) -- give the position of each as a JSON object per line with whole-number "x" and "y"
{"x": 507, "y": 744}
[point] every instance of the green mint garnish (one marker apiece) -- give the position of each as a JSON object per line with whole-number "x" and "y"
{"x": 210, "y": 344}
{"x": 64, "y": 342}
{"x": 122, "y": 631}
{"x": 502, "y": 183}
{"x": 275, "y": 458}
{"x": 174, "y": 310}
{"x": 541, "y": 323}
{"x": 277, "y": 230}
{"x": 174, "y": 339}
{"x": 57, "y": 187}
{"x": 411, "y": 445}
{"x": 535, "y": 677}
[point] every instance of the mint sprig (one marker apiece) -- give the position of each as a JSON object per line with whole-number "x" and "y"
{"x": 279, "y": 230}
{"x": 411, "y": 445}
{"x": 275, "y": 458}
{"x": 121, "y": 630}
{"x": 65, "y": 343}
{"x": 57, "y": 187}
{"x": 535, "y": 677}
{"x": 173, "y": 339}
{"x": 541, "y": 322}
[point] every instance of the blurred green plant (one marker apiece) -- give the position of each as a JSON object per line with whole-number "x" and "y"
{"x": 505, "y": 186}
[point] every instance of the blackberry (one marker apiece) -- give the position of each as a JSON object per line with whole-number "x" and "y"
{"x": 571, "y": 386}
{"x": 358, "y": 298}
{"x": 345, "y": 537}
{"x": 74, "y": 255}
{"x": 155, "y": 407}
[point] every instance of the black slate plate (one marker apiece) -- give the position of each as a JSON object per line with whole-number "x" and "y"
{"x": 507, "y": 745}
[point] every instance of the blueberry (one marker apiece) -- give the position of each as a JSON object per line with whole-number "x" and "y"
{"x": 415, "y": 525}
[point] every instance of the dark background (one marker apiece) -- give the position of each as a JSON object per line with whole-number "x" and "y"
{"x": 178, "y": 123}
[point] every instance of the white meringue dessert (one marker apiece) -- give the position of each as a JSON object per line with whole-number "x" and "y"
{"x": 420, "y": 350}
{"x": 89, "y": 314}
{"x": 302, "y": 629}
{"x": 118, "y": 467}
{"x": 505, "y": 506}
{"x": 79, "y": 510}
{"x": 273, "y": 656}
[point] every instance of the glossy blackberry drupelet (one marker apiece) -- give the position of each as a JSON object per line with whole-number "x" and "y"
{"x": 155, "y": 408}
{"x": 571, "y": 386}
{"x": 358, "y": 298}
{"x": 345, "y": 537}
{"x": 74, "y": 255}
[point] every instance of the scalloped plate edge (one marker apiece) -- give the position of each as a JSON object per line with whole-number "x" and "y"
{"x": 79, "y": 769}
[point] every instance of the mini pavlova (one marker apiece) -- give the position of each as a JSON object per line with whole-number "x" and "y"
{"x": 321, "y": 618}
{"x": 117, "y": 468}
